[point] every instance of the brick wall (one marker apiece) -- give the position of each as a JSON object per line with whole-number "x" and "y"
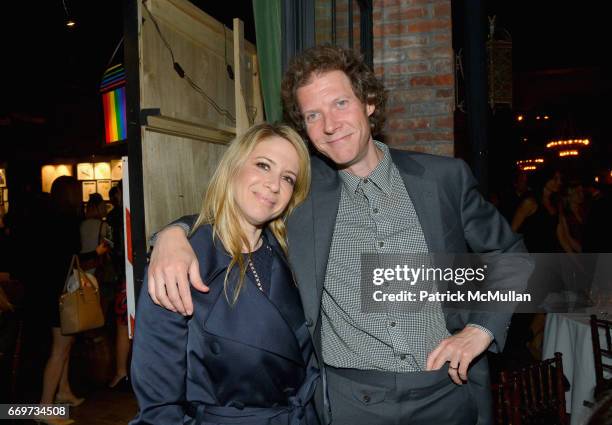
{"x": 413, "y": 55}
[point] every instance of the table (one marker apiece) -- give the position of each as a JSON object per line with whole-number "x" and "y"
{"x": 570, "y": 334}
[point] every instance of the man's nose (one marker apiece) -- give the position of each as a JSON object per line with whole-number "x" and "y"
{"x": 331, "y": 124}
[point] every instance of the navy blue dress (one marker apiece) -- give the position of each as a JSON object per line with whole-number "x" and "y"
{"x": 248, "y": 363}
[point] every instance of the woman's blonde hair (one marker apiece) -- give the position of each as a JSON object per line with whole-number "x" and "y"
{"x": 219, "y": 206}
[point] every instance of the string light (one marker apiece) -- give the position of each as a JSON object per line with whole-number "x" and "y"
{"x": 530, "y": 161}
{"x": 565, "y": 143}
{"x": 568, "y": 153}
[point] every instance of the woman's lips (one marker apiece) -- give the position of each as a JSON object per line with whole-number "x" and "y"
{"x": 265, "y": 199}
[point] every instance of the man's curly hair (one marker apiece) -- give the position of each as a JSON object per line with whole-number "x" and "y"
{"x": 326, "y": 58}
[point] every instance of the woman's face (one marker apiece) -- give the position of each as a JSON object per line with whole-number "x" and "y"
{"x": 264, "y": 184}
{"x": 554, "y": 184}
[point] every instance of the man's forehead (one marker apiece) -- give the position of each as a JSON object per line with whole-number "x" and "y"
{"x": 339, "y": 83}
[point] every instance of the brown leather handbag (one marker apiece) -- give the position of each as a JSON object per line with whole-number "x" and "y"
{"x": 79, "y": 304}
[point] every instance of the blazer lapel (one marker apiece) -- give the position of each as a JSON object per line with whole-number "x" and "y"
{"x": 425, "y": 198}
{"x": 256, "y": 321}
{"x": 325, "y": 202}
{"x": 311, "y": 228}
{"x": 284, "y": 296}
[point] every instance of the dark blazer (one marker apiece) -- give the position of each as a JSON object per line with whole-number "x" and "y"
{"x": 453, "y": 215}
{"x": 249, "y": 360}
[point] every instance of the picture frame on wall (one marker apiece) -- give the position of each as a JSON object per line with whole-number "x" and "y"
{"x": 50, "y": 172}
{"x": 89, "y": 187}
{"x": 102, "y": 171}
{"x": 85, "y": 171}
{"x": 104, "y": 186}
{"x": 116, "y": 169}
{"x": 3, "y": 177}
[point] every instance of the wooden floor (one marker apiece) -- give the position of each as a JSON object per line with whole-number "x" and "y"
{"x": 104, "y": 407}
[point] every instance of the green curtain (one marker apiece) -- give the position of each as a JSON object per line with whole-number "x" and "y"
{"x": 267, "y": 15}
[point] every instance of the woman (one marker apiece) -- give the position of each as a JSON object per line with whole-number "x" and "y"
{"x": 572, "y": 218}
{"x": 61, "y": 231}
{"x": 537, "y": 219}
{"x": 243, "y": 356}
{"x": 93, "y": 228}
{"x": 123, "y": 343}
{"x": 537, "y": 216}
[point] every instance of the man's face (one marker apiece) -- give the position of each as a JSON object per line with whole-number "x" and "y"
{"x": 336, "y": 120}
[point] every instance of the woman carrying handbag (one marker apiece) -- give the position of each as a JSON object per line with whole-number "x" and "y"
{"x": 61, "y": 232}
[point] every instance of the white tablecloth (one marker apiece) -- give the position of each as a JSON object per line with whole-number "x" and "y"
{"x": 570, "y": 334}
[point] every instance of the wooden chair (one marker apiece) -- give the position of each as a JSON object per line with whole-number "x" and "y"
{"x": 533, "y": 395}
{"x": 600, "y": 353}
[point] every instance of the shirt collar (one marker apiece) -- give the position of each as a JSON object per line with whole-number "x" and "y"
{"x": 381, "y": 176}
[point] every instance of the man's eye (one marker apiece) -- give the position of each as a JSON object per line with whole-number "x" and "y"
{"x": 312, "y": 117}
{"x": 342, "y": 103}
{"x": 263, "y": 166}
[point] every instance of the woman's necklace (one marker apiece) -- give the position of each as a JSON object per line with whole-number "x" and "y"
{"x": 257, "y": 281}
{"x": 252, "y": 267}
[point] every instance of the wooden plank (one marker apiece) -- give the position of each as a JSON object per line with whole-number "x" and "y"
{"x": 242, "y": 116}
{"x": 163, "y": 88}
{"x": 257, "y": 97}
{"x": 203, "y": 47}
{"x": 186, "y": 129}
{"x": 176, "y": 173}
{"x": 194, "y": 23}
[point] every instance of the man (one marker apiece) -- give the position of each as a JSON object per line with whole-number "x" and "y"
{"x": 366, "y": 198}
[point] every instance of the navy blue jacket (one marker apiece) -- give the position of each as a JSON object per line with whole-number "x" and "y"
{"x": 248, "y": 362}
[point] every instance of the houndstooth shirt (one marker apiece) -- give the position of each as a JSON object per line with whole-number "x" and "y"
{"x": 375, "y": 215}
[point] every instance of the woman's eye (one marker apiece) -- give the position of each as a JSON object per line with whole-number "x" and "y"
{"x": 289, "y": 180}
{"x": 263, "y": 166}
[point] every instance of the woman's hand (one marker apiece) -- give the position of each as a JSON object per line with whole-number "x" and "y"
{"x": 102, "y": 248}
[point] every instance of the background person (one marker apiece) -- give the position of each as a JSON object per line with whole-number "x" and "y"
{"x": 61, "y": 230}
{"x": 120, "y": 380}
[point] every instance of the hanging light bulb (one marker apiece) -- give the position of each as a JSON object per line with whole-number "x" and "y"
{"x": 70, "y": 23}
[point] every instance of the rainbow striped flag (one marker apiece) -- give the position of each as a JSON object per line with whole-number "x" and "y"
{"x": 114, "y": 103}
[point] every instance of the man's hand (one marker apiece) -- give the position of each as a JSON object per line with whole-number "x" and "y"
{"x": 459, "y": 349}
{"x": 173, "y": 265}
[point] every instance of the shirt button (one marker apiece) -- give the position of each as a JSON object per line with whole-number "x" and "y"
{"x": 366, "y": 398}
{"x": 392, "y": 324}
{"x": 375, "y": 210}
{"x": 381, "y": 244}
{"x": 403, "y": 357}
{"x": 366, "y": 180}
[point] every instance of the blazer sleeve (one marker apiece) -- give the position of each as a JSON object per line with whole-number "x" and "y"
{"x": 159, "y": 364}
{"x": 185, "y": 222}
{"x": 509, "y": 265}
